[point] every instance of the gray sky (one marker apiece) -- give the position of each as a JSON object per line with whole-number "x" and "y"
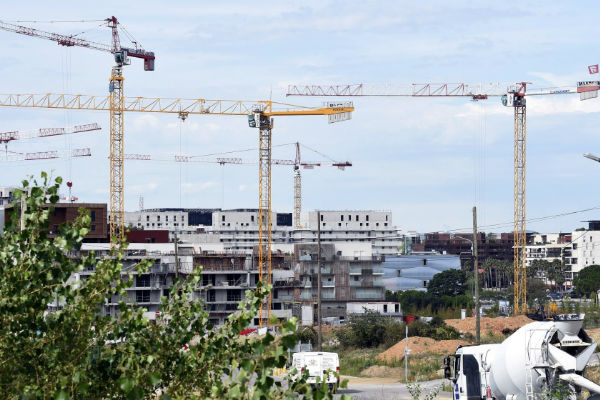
{"x": 427, "y": 160}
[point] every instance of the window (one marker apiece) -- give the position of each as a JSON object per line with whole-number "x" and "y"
{"x": 147, "y": 224}
{"x": 174, "y": 217}
{"x": 376, "y": 223}
{"x": 574, "y": 246}
{"x": 147, "y": 218}
{"x": 385, "y": 224}
{"x": 386, "y": 217}
{"x": 142, "y": 281}
{"x": 142, "y": 296}
{"x": 158, "y": 217}
{"x": 166, "y": 293}
{"x": 252, "y": 218}
{"x": 324, "y": 224}
{"x": 93, "y": 216}
{"x": 339, "y": 224}
{"x": 341, "y": 217}
{"x": 357, "y": 217}
{"x": 167, "y": 218}
{"x": 385, "y": 305}
{"x": 367, "y": 220}
{"x": 361, "y": 224}
{"x": 93, "y": 228}
{"x": 321, "y": 217}
{"x": 222, "y": 218}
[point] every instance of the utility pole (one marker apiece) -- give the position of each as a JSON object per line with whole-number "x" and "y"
{"x": 319, "y": 315}
{"x": 476, "y": 275}
{"x": 406, "y": 353}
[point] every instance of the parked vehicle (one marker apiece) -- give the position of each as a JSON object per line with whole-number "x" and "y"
{"x": 322, "y": 365}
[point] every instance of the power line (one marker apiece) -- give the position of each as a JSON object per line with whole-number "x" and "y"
{"x": 530, "y": 220}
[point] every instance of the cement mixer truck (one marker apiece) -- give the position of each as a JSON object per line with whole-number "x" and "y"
{"x": 540, "y": 358}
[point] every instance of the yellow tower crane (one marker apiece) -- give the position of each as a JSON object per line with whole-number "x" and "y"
{"x": 513, "y": 97}
{"x": 260, "y": 115}
{"x": 117, "y": 131}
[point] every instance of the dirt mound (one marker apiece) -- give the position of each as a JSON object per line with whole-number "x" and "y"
{"x": 420, "y": 345}
{"x": 381, "y": 371}
{"x": 594, "y": 334}
{"x": 494, "y": 325}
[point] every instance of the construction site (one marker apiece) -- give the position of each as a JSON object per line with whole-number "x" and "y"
{"x": 341, "y": 159}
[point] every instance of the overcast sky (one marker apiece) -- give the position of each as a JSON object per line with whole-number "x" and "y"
{"x": 427, "y": 160}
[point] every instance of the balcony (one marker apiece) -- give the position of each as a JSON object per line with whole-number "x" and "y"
{"x": 355, "y": 270}
{"x": 355, "y": 283}
{"x": 327, "y": 283}
{"x": 307, "y": 295}
{"x": 377, "y": 271}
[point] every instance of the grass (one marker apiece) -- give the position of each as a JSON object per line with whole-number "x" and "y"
{"x": 421, "y": 367}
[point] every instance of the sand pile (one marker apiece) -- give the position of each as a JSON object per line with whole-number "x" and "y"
{"x": 381, "y": 371}
{"x": 420, "y": 345}
{"x": 494, "y": 325}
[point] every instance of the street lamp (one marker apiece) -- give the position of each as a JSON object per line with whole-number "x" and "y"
{"x": 591, "y": 157}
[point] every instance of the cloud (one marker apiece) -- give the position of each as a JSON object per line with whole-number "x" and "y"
{"x": 196, "y": 187}
{"x": 243, "y": 188}
{"x": 146, "y": 187}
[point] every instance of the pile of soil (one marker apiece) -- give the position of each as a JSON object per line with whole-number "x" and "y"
{"x": 420, "y": 345}
{"x": 594, "y": 334}
{"x": 494, "y": 325}
{"x": 381, "y": 371}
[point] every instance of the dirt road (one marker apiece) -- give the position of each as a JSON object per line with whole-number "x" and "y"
{"x": 386, "y": 389}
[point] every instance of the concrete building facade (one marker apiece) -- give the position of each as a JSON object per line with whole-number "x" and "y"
{"x": 345, "y": 278}
{"x": 237, "y": 230}
{"x": 6, "y": 195}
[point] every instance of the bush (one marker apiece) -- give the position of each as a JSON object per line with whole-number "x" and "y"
{"x": 394, "y": 332}
{"x": 78, "y": 353}
{"x": 370, "y": 330}
{"x": 307, "y": 334}
{"x": 437, "y": 332}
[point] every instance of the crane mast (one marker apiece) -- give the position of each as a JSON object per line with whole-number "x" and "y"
{"x": 297, "y": 189}
{"x": 516, "y": 98}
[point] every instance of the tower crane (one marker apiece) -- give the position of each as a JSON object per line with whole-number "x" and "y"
{"x": 259, "y": 113}
{"x": 116, "y": 88}
{"x": 513, "y": 97}
{"x": 297, "y": 164}
{"x": 45, "y": 155}
{"x": 9, "y": 136}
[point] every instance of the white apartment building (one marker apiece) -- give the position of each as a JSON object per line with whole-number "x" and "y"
{"x": 549, "y": 247}
{"x": 237, "y": 230}
{"x": 171, "y": 220}
{"x": 6, "y": 195}
{"x": 585, "y": 247}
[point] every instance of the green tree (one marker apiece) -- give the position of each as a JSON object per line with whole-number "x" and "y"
{"x": 451, "y": 282}
{"x": 76, "y": 352}
{"x": 588, "y": 280}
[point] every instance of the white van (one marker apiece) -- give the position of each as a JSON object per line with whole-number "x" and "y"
{"x": 318, "y": 364}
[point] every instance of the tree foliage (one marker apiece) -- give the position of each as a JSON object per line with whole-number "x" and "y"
{"x": 588, "y": 280}
{"x": 452, "y": 282}
{"x": 419, "y": 302}
{"x": 76, "y": 352}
